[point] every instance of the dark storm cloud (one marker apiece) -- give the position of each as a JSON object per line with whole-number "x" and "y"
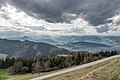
{"x": 49, "y": 10}
{"x": 2, "y": 2}
{"x": 94, "y": 11}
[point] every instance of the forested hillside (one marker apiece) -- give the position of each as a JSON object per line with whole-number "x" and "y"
{"x": 15, "y": 48}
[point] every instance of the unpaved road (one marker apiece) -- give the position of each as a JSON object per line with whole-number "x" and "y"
{"x": 74, "y": 68}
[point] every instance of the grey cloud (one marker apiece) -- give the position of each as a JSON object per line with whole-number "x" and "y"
{"x": 41, "y": 28}
{"x": 117, "y": 23}
{"x": 5, "y": 16}
{"x": 8, "y": 34}
{"x": 2, "y": 2}
{"x": 77, "y": 30}
{"x": 103, "y": 28}
{"x": 94, "y": 11}
{"x": 39, "y": 9}
{"x": 55, "y": 30}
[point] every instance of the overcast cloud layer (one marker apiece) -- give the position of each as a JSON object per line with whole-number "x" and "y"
{"x": 94, "y": 11}
{"x": 60, "y": 16}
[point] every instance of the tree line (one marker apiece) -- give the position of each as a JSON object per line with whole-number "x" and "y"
{"x": 50, "y": 63}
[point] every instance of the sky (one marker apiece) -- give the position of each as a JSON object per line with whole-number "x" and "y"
{"x": 59, "y": 17}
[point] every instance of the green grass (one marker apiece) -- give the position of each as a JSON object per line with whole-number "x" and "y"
{"x": 114, "y": 76}
{"x": 3, "y": 74}
{"x": 24, "y": 76}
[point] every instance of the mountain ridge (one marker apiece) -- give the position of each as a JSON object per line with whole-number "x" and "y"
{"x": 16, "y": 48}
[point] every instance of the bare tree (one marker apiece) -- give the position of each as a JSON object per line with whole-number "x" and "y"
{"x": 11, "y": 70}
{"x": 36, "y": 67}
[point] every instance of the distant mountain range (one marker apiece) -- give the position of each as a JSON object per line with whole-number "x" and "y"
{"x": 15, "y": 48}
{"x": 84, "y": 45}
{"x": 90, "y": 43}
{"x": 78, "y": 43}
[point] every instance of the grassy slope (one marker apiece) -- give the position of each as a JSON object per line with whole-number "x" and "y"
{"x": 5, "y": 76}
{"x": 109, "y": 70}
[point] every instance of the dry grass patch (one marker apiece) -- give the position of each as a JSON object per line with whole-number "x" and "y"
{"x": 110, "y": 71}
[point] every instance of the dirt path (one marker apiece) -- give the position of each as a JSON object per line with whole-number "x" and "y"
{"x": 75, "y": 68}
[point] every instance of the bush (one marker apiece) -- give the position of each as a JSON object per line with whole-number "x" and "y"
{"x": 11, "y": 70}
{"x": 24, "y": 70}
